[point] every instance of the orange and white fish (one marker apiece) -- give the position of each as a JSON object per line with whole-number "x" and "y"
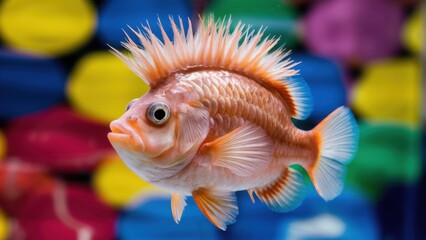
{"x": 217, "y": 120}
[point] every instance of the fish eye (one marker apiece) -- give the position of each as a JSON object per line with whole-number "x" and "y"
{"x": 158, "y": 113}
{"x": 131, "y": 104}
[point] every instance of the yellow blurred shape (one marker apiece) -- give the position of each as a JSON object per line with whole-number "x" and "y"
{"x": 118, "y": 186}
{"x": 413, "y": 32}
{"x": 4, "y": 227}
{"x": 101, "y": 86}
{"x": 2, "y": 145}
{"x": 47, "y": 27}
{"x": 390, "y": 90}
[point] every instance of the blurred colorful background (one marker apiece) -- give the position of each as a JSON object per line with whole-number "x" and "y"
{"x": 60, "y": 87}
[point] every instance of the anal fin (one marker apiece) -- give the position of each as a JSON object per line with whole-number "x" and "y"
{"x": 284, "y": 194}
{"x": 219, "y": 207}
{"x": 178, "y": 205}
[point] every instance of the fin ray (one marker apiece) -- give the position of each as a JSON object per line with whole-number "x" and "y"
{"x": 286, "y": 193}
{"x": 250, "y": 192}
{"x": 338, "y": 141}
{"x": 219, "y": 207}
{"x": 245, "y": 151}
{"x": 178, "y": 205}
{"x": 214, "y": 44}
{"x": 301, "y": 96}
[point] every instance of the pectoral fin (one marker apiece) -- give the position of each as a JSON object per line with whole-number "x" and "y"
{"x": 178, "y": 205}
{"x": 219, "y": 207}
{"x": 286, "y": 193}
{"x": 245, "y": 151}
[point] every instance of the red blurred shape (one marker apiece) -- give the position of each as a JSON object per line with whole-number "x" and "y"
{"x": 68, "y": 212}
{"x": 20, "y": 181}
{"x": 58, "y": 139}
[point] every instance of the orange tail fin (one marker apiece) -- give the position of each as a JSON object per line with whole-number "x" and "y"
{"x": 338, "y": 141}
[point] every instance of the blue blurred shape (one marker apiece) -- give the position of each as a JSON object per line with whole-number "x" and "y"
{"x": 28, "y": 84}
{"x": 152, "y": 219}
{"x": 349, "y": 216}
{"x": 118, "y": 15}
{"x": 325, "y": 79}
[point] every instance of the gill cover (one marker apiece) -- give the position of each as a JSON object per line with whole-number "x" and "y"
{"x": 193, "y": 127}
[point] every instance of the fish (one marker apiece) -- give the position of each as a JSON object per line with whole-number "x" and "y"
{"x": 218, "y": 119}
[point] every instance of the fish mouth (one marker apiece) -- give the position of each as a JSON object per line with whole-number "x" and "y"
{"x": 125, "y": 136}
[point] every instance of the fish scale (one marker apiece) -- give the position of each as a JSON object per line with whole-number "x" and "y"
{"x": 263, "y": 109}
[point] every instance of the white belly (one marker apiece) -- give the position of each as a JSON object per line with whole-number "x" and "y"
{"x": 220, "y": 179}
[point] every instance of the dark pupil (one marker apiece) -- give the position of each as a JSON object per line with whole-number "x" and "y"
{"x": 159, "y": 114}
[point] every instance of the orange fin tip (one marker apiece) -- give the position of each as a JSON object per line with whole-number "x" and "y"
{"x": 178, "y": 205}
{"x": 250, "y": 193}
{"x": 219, "y": 207}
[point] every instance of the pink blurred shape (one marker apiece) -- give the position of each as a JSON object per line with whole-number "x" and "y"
{"x": 68, "y": 212}
{"x": 20, "y": 181}
{"x": 58, "y": 139}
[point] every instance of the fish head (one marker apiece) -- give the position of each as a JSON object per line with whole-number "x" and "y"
{"x": 159, "y": 133}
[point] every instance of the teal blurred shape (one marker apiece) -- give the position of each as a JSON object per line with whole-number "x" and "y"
{"x": 388, "y": 154}
{"x": 279, "y": 17}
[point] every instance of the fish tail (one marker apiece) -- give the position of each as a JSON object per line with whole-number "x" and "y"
{"x": 337, "y": 141}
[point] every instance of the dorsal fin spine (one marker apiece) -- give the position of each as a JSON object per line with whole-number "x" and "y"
{"x": 242, "y": 50}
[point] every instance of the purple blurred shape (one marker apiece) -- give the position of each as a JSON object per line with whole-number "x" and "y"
{"x": 354, "y": 31}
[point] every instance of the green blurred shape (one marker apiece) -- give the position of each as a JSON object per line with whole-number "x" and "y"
{"x": 388, "y": 154}
{"x": 279, "y": 17}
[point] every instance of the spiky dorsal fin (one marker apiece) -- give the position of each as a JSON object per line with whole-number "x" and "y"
{"x": 213, "y": 44}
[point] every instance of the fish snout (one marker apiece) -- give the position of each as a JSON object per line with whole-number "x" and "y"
{"x": 125, "y": 134}
{"x": 132, "y": 119}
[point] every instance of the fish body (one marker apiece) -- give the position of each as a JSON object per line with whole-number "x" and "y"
{"x": 218, "y": 120}
{"x": 235, "y": 101}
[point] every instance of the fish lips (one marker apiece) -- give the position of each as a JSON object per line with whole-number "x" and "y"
{"x": 125, "y": 137}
